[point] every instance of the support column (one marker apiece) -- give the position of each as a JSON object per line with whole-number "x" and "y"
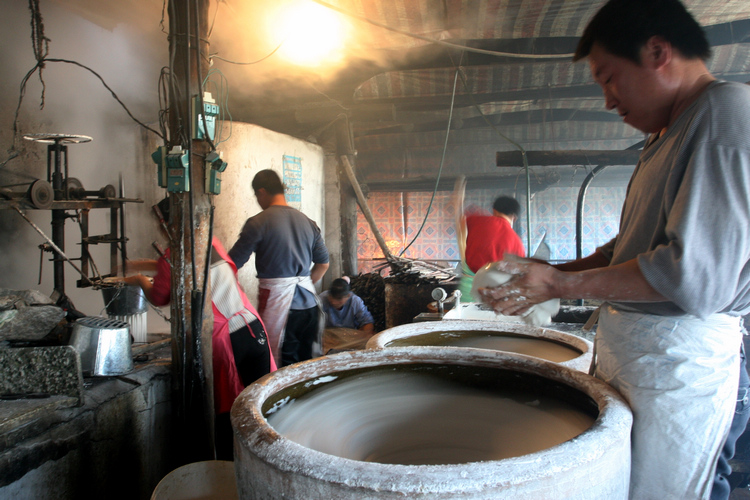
{"x": 190, "y": 218}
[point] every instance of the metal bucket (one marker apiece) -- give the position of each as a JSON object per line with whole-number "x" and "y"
{"x": 124, "y": 300}
{"x": 452, "y": 332}
{"x": 593, "y": 465}
{"x": 104, "y": 346}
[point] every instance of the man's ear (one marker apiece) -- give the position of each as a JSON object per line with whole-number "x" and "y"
{"x": 657, "y": 52}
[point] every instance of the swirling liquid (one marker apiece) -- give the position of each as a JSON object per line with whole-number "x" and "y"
{"x": 413, "y": 418}
{"x": 498, "y": 341}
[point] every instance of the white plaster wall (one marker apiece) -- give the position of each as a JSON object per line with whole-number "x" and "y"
{"x": 76, "y": 102}
{"x": 250, "y": 149}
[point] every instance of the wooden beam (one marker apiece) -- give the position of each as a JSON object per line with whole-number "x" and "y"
{"x": 362, "y": 200}
{"x": 577, "y": 157}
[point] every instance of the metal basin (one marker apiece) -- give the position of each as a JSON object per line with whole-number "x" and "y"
{"x": 104, "y": 346}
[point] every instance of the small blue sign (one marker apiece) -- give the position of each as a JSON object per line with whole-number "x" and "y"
{"x": 293, "y": 180}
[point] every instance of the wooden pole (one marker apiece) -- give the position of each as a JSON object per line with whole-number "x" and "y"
{"x": 189, "y": 224}
{"x": 348, "y": 218}
{"x": 365, "y": 208}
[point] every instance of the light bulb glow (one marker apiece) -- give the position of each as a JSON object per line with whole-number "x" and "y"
{"x": 312, "y": 34}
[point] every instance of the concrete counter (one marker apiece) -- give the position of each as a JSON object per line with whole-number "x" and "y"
{"x": 112, "y": 442}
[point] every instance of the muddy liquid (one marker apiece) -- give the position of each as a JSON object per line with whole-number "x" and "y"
{"x": 411, "y": 418}
{"x": 507, "y": 342}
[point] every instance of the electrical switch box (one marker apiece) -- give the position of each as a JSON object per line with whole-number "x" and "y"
{"x": 173, "y": 169}
{"x": 160, "y": 158}
{"x": 210, "y": 111}
{"x": 214, "y": 167}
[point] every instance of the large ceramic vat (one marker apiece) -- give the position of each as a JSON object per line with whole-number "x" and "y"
{"x": 559, "y": 347}
{"x": 593, "y": 465}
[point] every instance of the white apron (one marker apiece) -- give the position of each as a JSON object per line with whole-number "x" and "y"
{"x": 275, "y": 310}
{"x": 680, "y": 376}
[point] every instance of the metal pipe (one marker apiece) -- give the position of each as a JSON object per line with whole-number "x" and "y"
{"x": 52, "y": 243}
{"x": 579, "y": 206}
{"x": 528, "y": 205}
{"x": 579, "y": 209}
{"x": 58, "y": 217}
{"x": 582, "y": 196}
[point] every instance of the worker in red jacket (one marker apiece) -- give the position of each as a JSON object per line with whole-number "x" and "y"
{"x": 488, "y": 239}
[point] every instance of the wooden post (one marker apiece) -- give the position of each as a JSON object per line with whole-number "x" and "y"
{"x": 348, "y": 220}
{"x": 192, "y": 316}
{"x": 365, "y": 208}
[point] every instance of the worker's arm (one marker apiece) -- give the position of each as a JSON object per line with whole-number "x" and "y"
{"x": 317, "y": 271}
{"x": 368, "y": 328}
{"x": 141, "y": 266}
{"x": 593, "y": 261}
{"x": 158, "y": 291}
{"x": 142, "y": 281}
{"x": 533, "y": 283}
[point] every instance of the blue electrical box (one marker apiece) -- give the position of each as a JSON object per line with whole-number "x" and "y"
{"x": 160, "y": 158}
{"x": 173, "y": 169}
{"x": 210, "y": 111}
{"x": 214, "y": 167}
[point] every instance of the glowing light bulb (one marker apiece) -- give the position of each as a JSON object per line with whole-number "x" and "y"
{"x": 312, "y": 34}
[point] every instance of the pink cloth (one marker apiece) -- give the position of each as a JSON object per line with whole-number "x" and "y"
{"x": 227, "y": 382}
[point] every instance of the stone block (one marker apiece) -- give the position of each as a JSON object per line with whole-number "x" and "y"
{"x": 40, "y": 371}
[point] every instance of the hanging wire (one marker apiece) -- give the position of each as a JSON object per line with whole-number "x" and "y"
{"x": 222, "y": 96}
{"x": 201, "y": 105}
{"x": 215, "y": 56}
{"x": 442, "y": 162}
{"x": 40, "y": 45}
{"x": 524, "y": 158}
{"x": 456, "y": 46}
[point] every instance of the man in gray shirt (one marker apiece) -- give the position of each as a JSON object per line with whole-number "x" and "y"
{"x": 286, "y": 244}
{"x": 677, "y": 276}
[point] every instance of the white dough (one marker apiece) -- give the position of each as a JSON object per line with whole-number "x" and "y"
{"x": 489, "y": 277}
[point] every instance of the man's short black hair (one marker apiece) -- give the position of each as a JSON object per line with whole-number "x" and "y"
{"x": 339, "y": 288}
{"x": 622, "y": 27}
{"x": 507, "y": 205}
{"x": 268, "y": 180}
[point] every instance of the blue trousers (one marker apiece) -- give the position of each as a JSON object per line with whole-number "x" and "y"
{"x": 722, "y": 487}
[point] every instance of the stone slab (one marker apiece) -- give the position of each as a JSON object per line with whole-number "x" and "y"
{"x": 27, "y": 315}
{"x": 40, "y": 371}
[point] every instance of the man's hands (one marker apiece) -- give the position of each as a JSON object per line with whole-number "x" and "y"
{"x": 530, "y": 283}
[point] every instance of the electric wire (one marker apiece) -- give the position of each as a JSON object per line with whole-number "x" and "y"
{"x": 222, "y": 96}
{"x": 215, "y": 56}
{"x": 442, "y": 162}
{"x": 201, "y": 106}
{"x": 189, "y": 147}
{"x": 524, "y": 158}
{"x": 40, "y": 45}
{"x": 455, "y": 46}
{"x": 213, "y": 21}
